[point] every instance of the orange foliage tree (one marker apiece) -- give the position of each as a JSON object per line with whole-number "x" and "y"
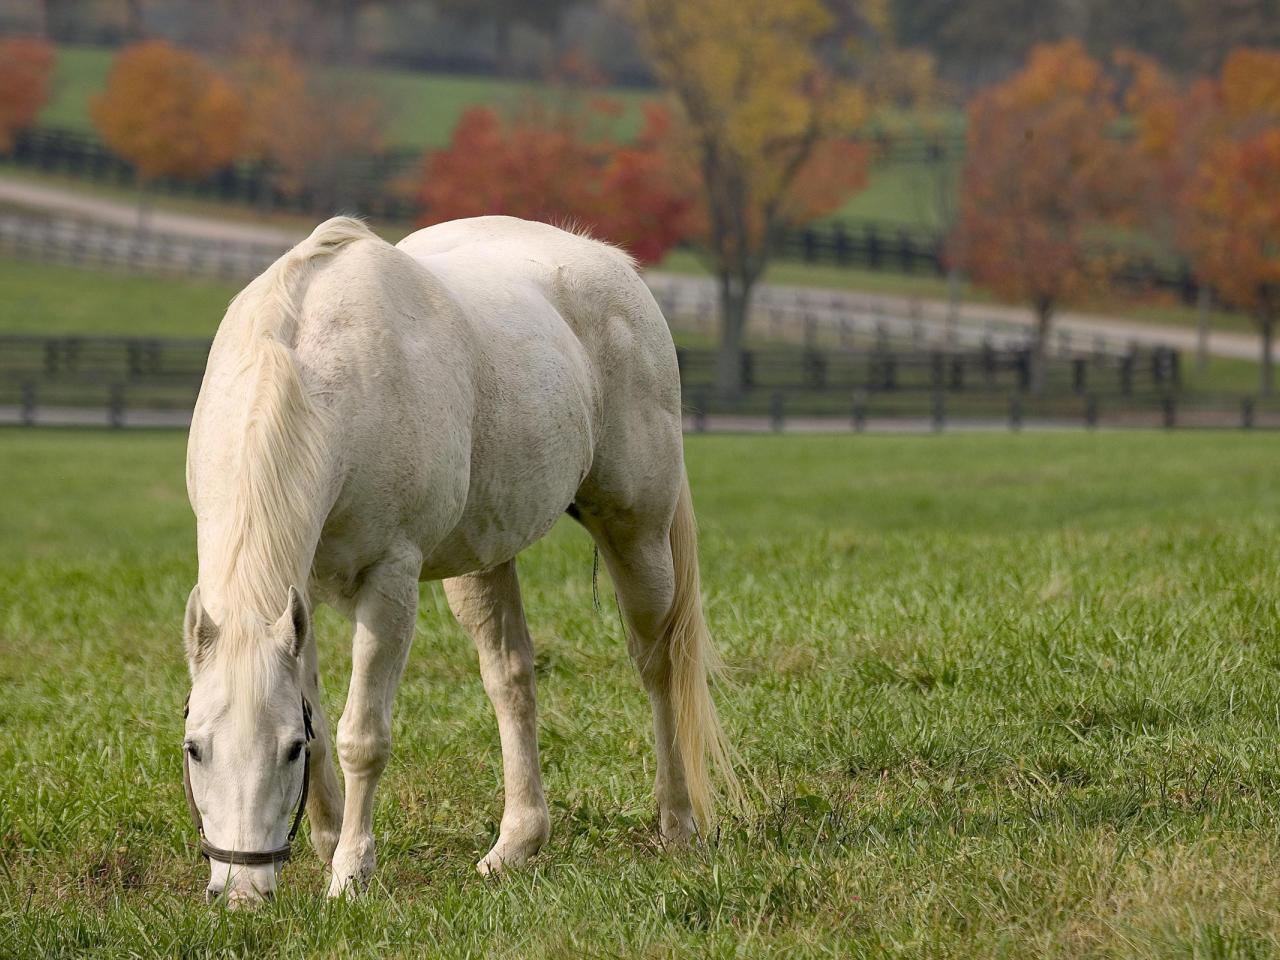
{"x": 25, "y": 66}
{"x": 169, "y": 113}
{"x": 1041, "y": 178}
{"x": 761, "y": 119}
{"x": 1212, "y": 192}
{"x": 307, "y": 132}
{"x": 552, "y": 168}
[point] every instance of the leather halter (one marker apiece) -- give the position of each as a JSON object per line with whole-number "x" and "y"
{"x": 251, "y": 858}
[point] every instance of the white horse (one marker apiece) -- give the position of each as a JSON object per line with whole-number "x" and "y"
{"x": 372, "y": 416}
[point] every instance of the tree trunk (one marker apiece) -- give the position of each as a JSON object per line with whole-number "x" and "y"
{"x": 54, "y": 20}
{"x": 134, "y": 22}
{"x": 1204, "y": 302}
{"x": 735, "y": 300}
{"x": 1266, "y": 321}
{"x": 502, "y": 47}
{"x": 1040, "y": 346}
{"x": 144, "y": 206}
{"x": 953, "y": 303}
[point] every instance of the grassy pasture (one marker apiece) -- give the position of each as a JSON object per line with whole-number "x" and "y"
{"x": 1006, "y": 696}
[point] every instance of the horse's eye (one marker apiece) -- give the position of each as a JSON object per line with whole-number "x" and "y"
{"x": 295, "y": 751}
{"x": 192, "y": 751}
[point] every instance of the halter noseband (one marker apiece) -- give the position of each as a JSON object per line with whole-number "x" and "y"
{"x": 251, "y": 858}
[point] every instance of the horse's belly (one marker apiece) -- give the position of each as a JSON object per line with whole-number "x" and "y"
{"x": 529, "y": 458}
{"x": 502, "y": 520}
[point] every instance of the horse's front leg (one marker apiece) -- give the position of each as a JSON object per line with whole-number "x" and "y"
{"x": 385, "y": 610}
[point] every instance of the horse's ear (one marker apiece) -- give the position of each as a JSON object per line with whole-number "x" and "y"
{"x": 198, "y": 630}
{"x": 294, "y": 626}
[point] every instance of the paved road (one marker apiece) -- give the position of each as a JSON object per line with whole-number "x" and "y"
{"x": 72, "y": 203}
{"x": 1083, "y": 325}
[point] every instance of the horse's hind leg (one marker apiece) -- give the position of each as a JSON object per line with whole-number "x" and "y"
{"x": 488, "y": 607}
{"x": 640, "y": 564}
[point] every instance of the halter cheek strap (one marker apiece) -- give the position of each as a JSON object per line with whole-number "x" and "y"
{"x": 251, "y": 858}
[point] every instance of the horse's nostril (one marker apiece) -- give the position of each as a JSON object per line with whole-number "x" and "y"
{"x": 269, "y": 895}
{"x": 212, "y": 893}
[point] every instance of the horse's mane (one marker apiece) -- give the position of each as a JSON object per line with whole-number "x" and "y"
{"x": 281, "y": 466}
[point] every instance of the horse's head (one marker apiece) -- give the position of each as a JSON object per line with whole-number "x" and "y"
{"x": 246, "y": 744}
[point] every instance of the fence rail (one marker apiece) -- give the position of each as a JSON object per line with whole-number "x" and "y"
{"x": 137, "y": 379}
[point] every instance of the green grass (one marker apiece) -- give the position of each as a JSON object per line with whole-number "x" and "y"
{"x": 79, "y": 74}
{"x": 905, "y": 192}
{"x": 1009, "y": 695}
{"x": 51, "y": 299}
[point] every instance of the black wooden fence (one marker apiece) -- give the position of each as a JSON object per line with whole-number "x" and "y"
{"x": 134, "y": 379}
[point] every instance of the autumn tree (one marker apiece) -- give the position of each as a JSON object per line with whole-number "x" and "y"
{"x": 169, "y": 113}
{"x": 1207, "y": 196}
{"x": 1041, "y": 179}
{"x": 758, "y": 110}
{"x": 566, "y": 168}
{"x": 308, "y": 132}
{"x": 1235, "y": 242}
{"x": 25, "y": 66}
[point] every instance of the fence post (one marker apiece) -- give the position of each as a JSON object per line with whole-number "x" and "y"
{"x": 1078, "y": 366}
{"x": 1091, "y": 411}
{"x": 815, "y": 367}
{"x": 1246, "y": 413}
{"x": 776, "y": 413}
{"x": 1170, "y": 411}
{"x": 28, "y": 404}
{"x": 1024, "y": 371}
{"x": 859, "y": 411}
{"x": 1126, "y": 373}
{"x": 1015, "y": 411}
{"x": 115, "y": 406}
{"x": 938, "y": 415}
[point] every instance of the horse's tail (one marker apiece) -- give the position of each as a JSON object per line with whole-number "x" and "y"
{"x": 699, "y": 736}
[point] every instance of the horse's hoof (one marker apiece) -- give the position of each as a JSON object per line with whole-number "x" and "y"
{"x": 677, "y": 830}
{"x": 507, "y": 856}
{"x": 342, "y": 887}
{"x": 352, "y": 872}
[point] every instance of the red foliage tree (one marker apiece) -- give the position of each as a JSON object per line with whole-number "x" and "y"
{"x": 1041, "y": 178}
{"x": 1234, "y": 233}
{"x": 1213, "y": 194}
{"x": 25, "y": 66}
{"x": 548, "y": 168}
